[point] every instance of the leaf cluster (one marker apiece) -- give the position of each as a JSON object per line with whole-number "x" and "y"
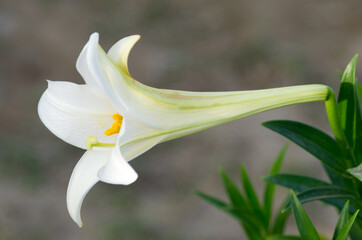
{"x": 256, "y": 219}
{"x": 340, "y": 156}
{"x": 306, "y": 229}
{"x": 244, "y": 205}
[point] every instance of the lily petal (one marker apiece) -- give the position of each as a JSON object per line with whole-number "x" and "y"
{"x": 136, "y": 137}
{"x": 117, "y": 170}
{"x": 85, "y": 72}
{"x": 77, "y": 97}
{"x": 172, "y": 109}
{"x": 119, "y": 52}
{"x": 83, "y": 178}
{"x": 166, "y": 109}
{"x": 92, "y": 66}
{"x": 72, "y": 112}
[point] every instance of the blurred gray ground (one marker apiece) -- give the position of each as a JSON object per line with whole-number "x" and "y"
{"x": 200, "y": 45}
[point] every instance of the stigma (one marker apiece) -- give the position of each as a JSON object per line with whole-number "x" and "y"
{"x": 116, "y": 126}
{"x": 92, "y": 141}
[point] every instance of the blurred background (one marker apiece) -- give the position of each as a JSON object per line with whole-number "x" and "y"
{"x": 198, "y": 45}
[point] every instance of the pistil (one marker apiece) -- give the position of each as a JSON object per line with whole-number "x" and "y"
{"x": 93, "y": 142}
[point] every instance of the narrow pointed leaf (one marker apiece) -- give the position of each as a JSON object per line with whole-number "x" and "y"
{"x": 335, "y": 177}
{"x": 301, "y": 183}
{"x": 305, "y": 226}
{"x": 243, "y": 216}
{"x": 342, "y": 220}
{"x": 358, "y": 138}
{"x": 295, "y": 182}
{"x": 343, "y": 234}
{"x": 358, "y": 131}
{"x": 246, "y": 217}
{"x": 359, "y": 93}
{"x": 252, "y": 233}
{"x": 320, "y": 193}
{"x": 270, "y": 187}
{"x": 232, "y": 191}
{"x": 356, "y": 172}
{"x": 251, "y": 196}
{"x": 356, "y": 231}
{"x": 283, "y": 237}
{"x": 314, "y": 141}
{"x": 212, "y": 200}
{"x": 347, "y": 101}
{"x": 355, "y": 204}
{"x": 281, "y": 219}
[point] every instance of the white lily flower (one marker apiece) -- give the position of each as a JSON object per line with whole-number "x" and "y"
{"x": 117, "y": 118}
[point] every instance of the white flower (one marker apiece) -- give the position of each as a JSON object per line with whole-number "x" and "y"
{"x": 117, "y": 118}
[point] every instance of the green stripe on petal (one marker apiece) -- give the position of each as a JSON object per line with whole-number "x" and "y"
{"x": 169, "y": 109}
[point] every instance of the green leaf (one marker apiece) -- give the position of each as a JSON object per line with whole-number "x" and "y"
{"x": 347, "y": 100}
{"x": 316, "y": 142}
{"x": 325, "y": 192}
{"x": 252, "y": 233}
{"x": 270, "y": 187}
{"x": 343, "y": 234}
{"x": 212, "y": 200}
{"x": 305, "y": 226}
{"x": 355, "y": 204}
{"x": 295, "y": 182}
{"x": 283, "y": 237}
{"x": 358, "y": 133}
{"x": 349, "y": 108}
{"x": 356, "y": 230}
{"x": 239, "y": 214}
{"x": 301, "y": 183}
{"x": 359, "y": 93}
{"x": 232, "y": 191}
{"x": 336, "y": 178}
{"x": 342, "y": 220}
{"x": 248, "y": 220}
{"x": 356, "y": 172}
{"x": 245, "y": 216}
{"x": 281, "y": 219}
{"x": 358, "y": 140}
{"x": 251, "y": 196}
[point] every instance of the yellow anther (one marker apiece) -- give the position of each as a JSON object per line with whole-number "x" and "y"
{"x": 116, "y": 126}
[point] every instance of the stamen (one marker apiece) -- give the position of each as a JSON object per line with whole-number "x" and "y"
{"x": 93, "y": 142}
{"x": 116, "y": 126}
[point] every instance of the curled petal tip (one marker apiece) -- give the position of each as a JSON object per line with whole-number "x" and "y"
{"x": 119, "y": 52}
{"x": 117, "y": 170}
{"x": 94, "y": 35}
{"x": 117, "y": 173}
{"x": 136, "y": 37}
